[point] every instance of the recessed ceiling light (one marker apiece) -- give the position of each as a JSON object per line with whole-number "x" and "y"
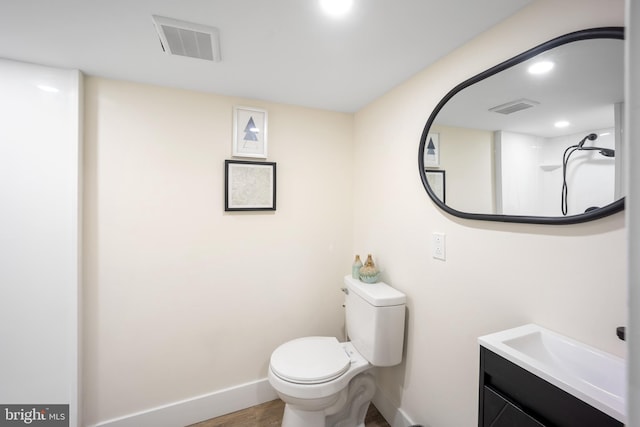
{"x": 541, "y": 67}
{"x": 562, "y": 124}
{"x": 336, "y": 7}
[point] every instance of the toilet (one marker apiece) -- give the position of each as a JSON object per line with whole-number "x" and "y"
{"x": 327, "y": 383}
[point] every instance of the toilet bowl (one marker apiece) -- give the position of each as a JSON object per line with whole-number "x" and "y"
{"x": 327, "y": 383}
{"x": 314, "y": 377}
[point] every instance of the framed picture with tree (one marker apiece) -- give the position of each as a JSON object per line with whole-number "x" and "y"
{"x": 432, "y": 151}
{"x": 249, "y": 132}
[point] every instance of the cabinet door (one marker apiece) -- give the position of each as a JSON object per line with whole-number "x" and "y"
{"x": 499, "y": 412}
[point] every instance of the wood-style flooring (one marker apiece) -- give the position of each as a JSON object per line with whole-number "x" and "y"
{"x": 270, "y": 415}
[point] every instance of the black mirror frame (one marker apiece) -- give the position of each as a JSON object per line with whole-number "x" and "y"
{"x": 610, "y": 209}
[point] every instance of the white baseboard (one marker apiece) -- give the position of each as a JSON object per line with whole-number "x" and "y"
{"x": 199, "y": 408}
{"x": 394, "y": 415}
{"x": 222, "y": 402}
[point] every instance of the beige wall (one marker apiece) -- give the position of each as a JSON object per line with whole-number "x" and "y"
{"x": 568, "y": 278}
{"x": 181, "y": 298}
{"x": 467, "y": 157}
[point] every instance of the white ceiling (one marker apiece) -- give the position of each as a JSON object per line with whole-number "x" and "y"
{"x": 584, "y": 86}
{"x": 282, "y": 51}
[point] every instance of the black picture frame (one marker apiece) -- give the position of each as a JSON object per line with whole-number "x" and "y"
{"x": 249, "y": 186}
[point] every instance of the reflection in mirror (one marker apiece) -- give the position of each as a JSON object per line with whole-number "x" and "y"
{"x": 537, "y": 138}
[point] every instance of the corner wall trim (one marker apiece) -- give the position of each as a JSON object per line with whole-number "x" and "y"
{"x": 394, "y": 415}
{"x": 200, "y": 408}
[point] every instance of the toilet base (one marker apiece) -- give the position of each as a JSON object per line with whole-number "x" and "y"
{"x": 361, "y": 391}
{"x": 349, "y": 409}
{"x": 294, "y": 417}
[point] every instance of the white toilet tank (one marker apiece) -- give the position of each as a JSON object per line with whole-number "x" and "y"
{"x": 375, "y": 321}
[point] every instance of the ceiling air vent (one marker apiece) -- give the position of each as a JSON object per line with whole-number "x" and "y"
{"x": 188, "y": 39}
{"x": 514, "y": 106}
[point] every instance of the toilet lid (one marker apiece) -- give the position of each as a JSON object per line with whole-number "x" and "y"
{"x": 310, "y": 360}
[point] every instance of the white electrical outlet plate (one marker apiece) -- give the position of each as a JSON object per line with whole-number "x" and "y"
{"x": 438, "y": 246}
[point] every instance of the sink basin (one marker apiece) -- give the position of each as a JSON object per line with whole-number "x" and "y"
{"x": 593, "y": 376}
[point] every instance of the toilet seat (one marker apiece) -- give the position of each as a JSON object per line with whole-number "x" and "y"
{"x": 310, "y": 360}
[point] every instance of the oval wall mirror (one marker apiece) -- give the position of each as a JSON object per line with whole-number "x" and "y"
{"x": 535, "y": 139}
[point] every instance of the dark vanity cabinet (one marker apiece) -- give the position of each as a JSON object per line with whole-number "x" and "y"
{"x": 513, "y": 397}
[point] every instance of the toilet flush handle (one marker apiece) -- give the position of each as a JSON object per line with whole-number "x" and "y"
{"x": 345, "y": 290}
